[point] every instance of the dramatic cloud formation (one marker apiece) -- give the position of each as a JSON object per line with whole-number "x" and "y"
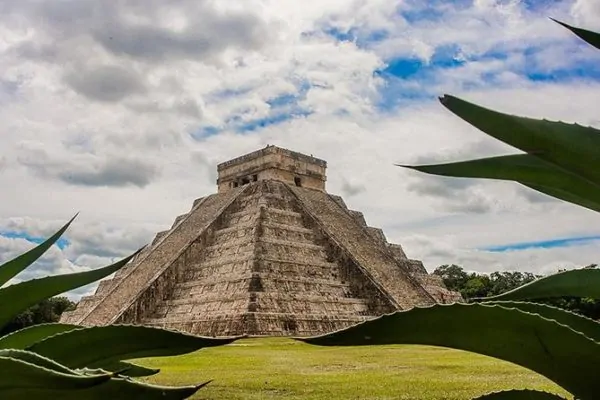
{"x": 121, "y": 110}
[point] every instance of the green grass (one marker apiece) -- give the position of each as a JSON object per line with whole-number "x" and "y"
{"x": 269, "y": 369}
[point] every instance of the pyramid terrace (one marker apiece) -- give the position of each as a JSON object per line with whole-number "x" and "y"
{"x": 270, "y": 254}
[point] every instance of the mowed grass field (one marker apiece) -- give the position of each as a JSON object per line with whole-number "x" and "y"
{"x": 275, "y": 368}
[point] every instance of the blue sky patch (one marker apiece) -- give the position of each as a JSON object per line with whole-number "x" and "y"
{"x": 205, "y": 132}
{"x": 61, "y": 243}
{"x": 259, "y": 123}
{"x": 362, "y": 38}
{"x": 283, "y": 107}
{"x": 545, "y": 244}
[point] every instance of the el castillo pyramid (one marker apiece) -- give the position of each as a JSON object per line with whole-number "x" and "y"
{"x": 271, "y": 253}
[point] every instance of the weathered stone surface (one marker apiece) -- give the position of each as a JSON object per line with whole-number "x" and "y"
{"x": 265, "y": 258}
{"x": 375, "y": 261}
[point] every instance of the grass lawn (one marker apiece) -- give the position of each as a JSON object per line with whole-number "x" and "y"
{"x": 277, "y": 368}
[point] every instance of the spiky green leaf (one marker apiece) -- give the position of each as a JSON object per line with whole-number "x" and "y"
{"x": 115, "y": 389}
{"x": 571, "y": 147}
{"x": 520, "y": 395}
{"x": 577, "y": 322}
{"x": 575, "y": 283}
{"x": 18, "y": 297}
{"x": 556, "y": 351}
{"x": 88, "y": 347}
{"x": 11, "y": 268}
{"x": 130, "y": 369}
{"x": 40, "y": 361}
{"x": 523, "y": 168}
{"x": 562, "y": 195}
{"x": 590, "y": 37}
{"x": 25, "y": 337}
{"x": 20, "y": 376}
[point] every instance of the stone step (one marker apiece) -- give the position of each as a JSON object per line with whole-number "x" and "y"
{"x": 235, "y": 248}
{"x": 260, "y": 283}
{"x": 289, "y": 250}
{"x": 263, "y": 296}
{"x": 245, "y": 216}
{"x": 258, "y": 326}
{"x": 247, "y": 262}
{"x": 264, "y": 277}
{"x": 253, "y": 199}
{"x": 291, "y": 228}
{"x": 158, "y": 237}
{"x": 105, "y": 285}
{"x": 178, "y": 219}
{"x": 197, "y": 202}
{"x": 297, "y": 234}
{"x": 215, "y": 262}
{"x": 267, "y": 315}
{"x": 285, "y": 217}
{"x": 244, "y": 227}
{"x": 290, "y": 243}
{"x": 233, "y": 304}
{"x": 242, "y": 306}
{"x": 298, "y": 262}
{"x": 237, "y": 242}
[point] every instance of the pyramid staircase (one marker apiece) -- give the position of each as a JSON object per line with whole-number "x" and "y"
{"x": 267, "y": 258}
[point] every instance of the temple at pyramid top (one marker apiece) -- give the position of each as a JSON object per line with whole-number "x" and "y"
{"x": 271, "y": 253}
{"x": 275, "y": 163}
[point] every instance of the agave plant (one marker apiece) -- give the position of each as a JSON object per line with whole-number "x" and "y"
{"x": 65, "y": 361}
{"x": 559, "y": 160}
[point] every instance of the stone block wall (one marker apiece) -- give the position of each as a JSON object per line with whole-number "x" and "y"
{"x": 267, "y": 271}
{"x": 266, "y": 259}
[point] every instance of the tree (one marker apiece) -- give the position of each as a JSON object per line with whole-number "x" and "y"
{"x": 46, "y": 311}
{"x": 454, "y": 276}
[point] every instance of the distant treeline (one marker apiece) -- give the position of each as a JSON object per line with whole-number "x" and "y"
{"x": 469, "y": 284}
{"x": 472, "y": 284}
{"x": 48, "y": 310}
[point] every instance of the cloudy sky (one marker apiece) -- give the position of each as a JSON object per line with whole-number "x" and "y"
{"x": 121, "y": 110}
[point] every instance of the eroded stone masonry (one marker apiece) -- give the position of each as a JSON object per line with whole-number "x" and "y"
{"x": 272, "y": 253}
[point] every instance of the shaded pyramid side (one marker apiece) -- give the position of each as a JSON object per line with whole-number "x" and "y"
{"x": 267, "y": 271}
{"x": 432, "y": 284}
{"x": 144, "y": 281}
{"x": 366, "y": 248}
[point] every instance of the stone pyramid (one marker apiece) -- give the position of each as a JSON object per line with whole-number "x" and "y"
{"x": 272, "y": 253}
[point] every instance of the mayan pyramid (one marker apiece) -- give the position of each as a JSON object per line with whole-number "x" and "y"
{"x": 271, "y": 253}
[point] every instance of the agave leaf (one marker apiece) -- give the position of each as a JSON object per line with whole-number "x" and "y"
{"x": 569, "y": 146}
{"x": 11, "y": 268}
{"x": 87, "y": 347}
{"x": 18, "y": 297}
{"x": 520, "y": 395}
{"x": 574, "y": 283}
{"x": 522, "y": 338}
{"x": 115, "y": 389}
{"x": 579, "y": 323}
{"x": 126, "y": 389}
{"x": 25, "y": 337}
{"x": 129, "y": 369}
{"x": 562, "y": 195}
{"x": 523, "y": 168}
{"x": 40, "y": 361}
{"x": 590, "y": 37}
{"x": 20, "y": 376}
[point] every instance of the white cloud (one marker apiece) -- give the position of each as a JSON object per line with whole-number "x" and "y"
{"x": 98, "y": 101}
{"x": 586, "y": 12}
